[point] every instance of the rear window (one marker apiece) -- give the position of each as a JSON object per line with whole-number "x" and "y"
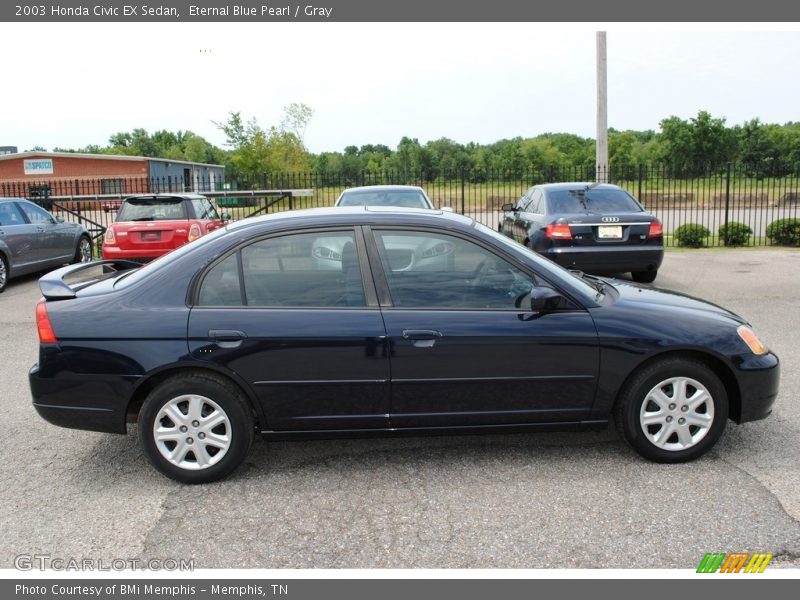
{"x": 152, "y": 209}
{"x": 403, "y": 198}
{"x": 592, "y": 200}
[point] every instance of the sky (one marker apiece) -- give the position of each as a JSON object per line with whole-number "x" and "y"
{"x": 73, "y": 84}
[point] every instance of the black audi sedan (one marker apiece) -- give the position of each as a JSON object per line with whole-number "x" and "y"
{"x": 597, "y": 228}
{"x": 351, "y": 321}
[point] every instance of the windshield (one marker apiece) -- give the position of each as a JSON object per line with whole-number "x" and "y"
{"x": 594, "y": 200}
{"x": 549, "y": 269}
{"x": 152, "y": 209}
{"x": 402, "y": 198}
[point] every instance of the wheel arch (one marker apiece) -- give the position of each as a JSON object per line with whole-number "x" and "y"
{"x": 717, "y": 365}
{"x": 154, "y": 379}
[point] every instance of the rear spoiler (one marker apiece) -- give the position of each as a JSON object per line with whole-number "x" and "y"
{"x": 54, "y": 287}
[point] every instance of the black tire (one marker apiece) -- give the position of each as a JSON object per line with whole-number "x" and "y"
{"x": 4, "y": 273}
{"x": 205, "y": 390}
{"x": 644, "y": 276}
{"x": 630, "y": 415}
{"x": 81, "y": 254}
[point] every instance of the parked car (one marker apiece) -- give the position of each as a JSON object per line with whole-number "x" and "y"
{"x": 407, "y": 196}
{"x": 597, "y": 228}
{"x": 150, "y": 225}
{"x": 240, "y": 332}
{"x": 31, "y": 239}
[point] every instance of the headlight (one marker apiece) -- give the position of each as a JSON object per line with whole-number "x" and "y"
{"x": 752, "y": 341}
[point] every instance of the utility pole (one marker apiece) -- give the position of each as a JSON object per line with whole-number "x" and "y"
{"x": 601, "y": 162}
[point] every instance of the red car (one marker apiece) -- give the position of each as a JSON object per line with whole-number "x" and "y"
{"x": 151, "y": 225}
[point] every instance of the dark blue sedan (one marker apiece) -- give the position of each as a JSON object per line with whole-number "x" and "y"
{"x": 357, "y": 320}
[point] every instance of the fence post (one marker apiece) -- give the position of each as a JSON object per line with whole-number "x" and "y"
{"x": 727, "y": 203}
{"x": 641, "y": 174}
{"x": 463, "y": 177}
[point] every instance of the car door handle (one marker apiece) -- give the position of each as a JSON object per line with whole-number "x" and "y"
{"x": 39, "y": 229}
{"x": 422, "y": 338}
{"x": 227, "y": 338}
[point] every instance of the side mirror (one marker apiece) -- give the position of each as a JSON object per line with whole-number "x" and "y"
{"x": 508, "y": 208}
{"x": 59, "y": 219}
{"x": 544, "y": 299}
{"x": 225, "y": 217}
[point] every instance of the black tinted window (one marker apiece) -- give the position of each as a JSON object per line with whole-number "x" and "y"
{"x": 300, "y": 270}
{"x": 592, "y": 200}
{"x": 308, "y": 269}
{"x": 221, "y": 286}
{"x": 441, "y": 271}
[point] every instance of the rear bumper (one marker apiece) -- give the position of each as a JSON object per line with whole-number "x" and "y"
{"x": 758, "y": 378}
{"x": 616, "y": 259}
{"x": 136, "y": 255}
{"x": 72, "y": 401}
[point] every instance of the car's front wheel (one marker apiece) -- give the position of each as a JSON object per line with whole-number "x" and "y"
{"x": 83, "y": 252}
{"x": 196, "y": 428}
{"x": 673, "y": 410}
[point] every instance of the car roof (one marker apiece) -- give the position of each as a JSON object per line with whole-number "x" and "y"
{"x": 183, "y": 195}
{"x": 383, "y": 188}
{"x": 571, "y": 185}
{"x": 358, "y": 215}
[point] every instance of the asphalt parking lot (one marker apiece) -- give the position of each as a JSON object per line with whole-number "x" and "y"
{"x": 511, "y": 501}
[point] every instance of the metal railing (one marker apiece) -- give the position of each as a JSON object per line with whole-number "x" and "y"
{"x": 711, "y": 197}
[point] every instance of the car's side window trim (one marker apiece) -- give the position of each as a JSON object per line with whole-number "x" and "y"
{"x": 371, "y": 300}
{"x": 382, "y": 283}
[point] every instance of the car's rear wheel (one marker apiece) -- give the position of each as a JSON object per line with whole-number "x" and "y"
{"x": 196, "y": 428}
{"x": 673, "y": 410}
{"x": 644, "y": 276}
{"x": 83, "y": 252}
{"x": 3, "y": 272}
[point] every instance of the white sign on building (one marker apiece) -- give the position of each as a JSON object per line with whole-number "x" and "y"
{"x": 38, "y": 166}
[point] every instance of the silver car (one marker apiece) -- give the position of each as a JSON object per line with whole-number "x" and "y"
{"x": 31, "y": 239}
{"x": 406, "y": 196}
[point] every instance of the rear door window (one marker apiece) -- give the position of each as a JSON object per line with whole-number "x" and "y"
{"x": 319, "y": 269}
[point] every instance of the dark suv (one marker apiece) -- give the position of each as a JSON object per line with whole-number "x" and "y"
{"x": 598, "y": 228}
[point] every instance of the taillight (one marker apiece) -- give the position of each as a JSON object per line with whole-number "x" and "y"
{"x": 558, "y": 231}
{"x": 194, "y": 232}
{"x": 46, "y": 333}
{"x": 110, "y": 238}
{"x": 656, "y": 230}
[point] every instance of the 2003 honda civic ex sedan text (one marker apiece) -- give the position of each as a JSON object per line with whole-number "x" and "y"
{"x": 355, "y": 320}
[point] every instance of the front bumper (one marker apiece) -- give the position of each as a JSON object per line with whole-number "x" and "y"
{"x": 759, "y": 379}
